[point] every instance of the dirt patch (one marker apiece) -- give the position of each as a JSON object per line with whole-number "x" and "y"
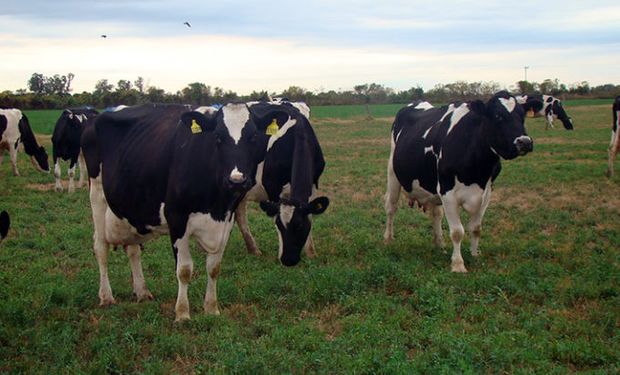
{"x": 240, "y": 312}
{"x": 51, "y": 185}
{"x": 329, "y": 323}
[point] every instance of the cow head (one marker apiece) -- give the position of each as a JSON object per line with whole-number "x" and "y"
{"x": 5, "y": 222}
{"x": 504, "y": 126}
{"x": 40, "y": 160}
{"x": 558, "y": 110}
{"x": 74, "y": 120}
{"x": 293, "y": 223}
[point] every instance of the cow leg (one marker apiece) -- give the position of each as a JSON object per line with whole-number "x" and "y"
{"x": 139, "y": 286}
{"x": 13, "y": 156}
{"x": 185, "y": 267}
{"x": 391, "y": 201}
{"x": 83, "y": 171}
{"x": 549, "y": 123}
{"x": 309, "y": 246}
{"x": 451, "y": 208}
{"x": 98, "y": 205}
{"x": 57, "y": 175}
{"x": 612, "y": 152}
{"x": 241, "y": 217}
{"x": 436, "y": 217}
{"x": 476, "y": 207}
{"x": 71, "y": 174}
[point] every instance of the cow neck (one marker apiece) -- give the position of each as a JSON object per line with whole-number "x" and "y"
{"x": 486, "y": 154}
{"x": 305, "y": 164}
{"x": 27, "y": 136}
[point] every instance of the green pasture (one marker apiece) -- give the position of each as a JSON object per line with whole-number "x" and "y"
{"x": 543, "y": 297}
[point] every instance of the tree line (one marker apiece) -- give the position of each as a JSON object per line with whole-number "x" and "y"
{"x": 55, "y": 92}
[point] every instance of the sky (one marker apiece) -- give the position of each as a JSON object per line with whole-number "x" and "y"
{"x": 318, "y": 45}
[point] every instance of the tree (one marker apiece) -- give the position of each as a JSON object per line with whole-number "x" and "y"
{"x": 526, "y": 87}
{"x": 139, "y": 85}
{"x": 36, "y": 83}
{"x": 123, "y": 85}
{"x": 70, "y": 77}
{"x": 197, "y": 93}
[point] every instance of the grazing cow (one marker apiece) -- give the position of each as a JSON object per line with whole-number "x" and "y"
{"x": 449, "y": 157}
{"x": 157, "y": 169}
{"x": 615, "y": 137}
{"x": 66, "y": 144}
{"x": 15, "y": 129}
{"x": 5, "y": 223}
{"x": 548, "y": 107}
{"x": 286, "y": 184}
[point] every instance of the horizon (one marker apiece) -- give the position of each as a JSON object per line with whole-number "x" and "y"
{"x": 262, "y": 46}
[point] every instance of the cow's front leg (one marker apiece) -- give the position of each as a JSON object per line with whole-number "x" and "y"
{"x": 100, "y": 246}
{"x": 451, "y": 208}
{"x": 309, "y": 246}
{"x": 71, "y": 174}
{"x": 185, "y": 268}
{"x": 83, "y": 171}
{"x": 612, "y": 152}
{"x": 476, "y": 207}
{"x": 57, "y": 175}
{"x": 241, "y": 217}
{"x": 549, "y": 123}
{"x": 139, "y": 285}
{"x": 13, "y": 156}
{"x": 436, "y": 213}
{"x": 391, "y": 201}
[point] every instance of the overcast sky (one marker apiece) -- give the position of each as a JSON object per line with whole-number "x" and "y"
{"x": 318, "y": 45}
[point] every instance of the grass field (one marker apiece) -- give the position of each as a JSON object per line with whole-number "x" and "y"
{"x": 544, "y": 296}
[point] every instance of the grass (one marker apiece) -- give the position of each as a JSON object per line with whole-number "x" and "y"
{"x": 544, "y": 296}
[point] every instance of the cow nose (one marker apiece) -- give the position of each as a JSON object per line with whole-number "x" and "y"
{"x": 236, "y": 177}
{"x": 524, "y": 145}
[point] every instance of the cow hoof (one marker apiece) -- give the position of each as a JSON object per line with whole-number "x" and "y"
{"x": 70, "y": 190}
{"x": 144, "y": 296}
{"x": 475, "y": 253}
{"x": 182, "y": 318}
{"x": 58, "y": 189}
{"x": 459, "y": 268}
{"x": 212, "y": 309}
{"x": 106, "y": 301}
{"x": 387, "y": 240}
{"x": 255, "y": 251}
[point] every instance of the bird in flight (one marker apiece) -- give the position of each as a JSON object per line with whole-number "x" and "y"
{"x": 104, "y": 36}
{"x": 187, "y": 24}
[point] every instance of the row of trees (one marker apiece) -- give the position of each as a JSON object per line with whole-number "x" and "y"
{"x": 54, "y": 92}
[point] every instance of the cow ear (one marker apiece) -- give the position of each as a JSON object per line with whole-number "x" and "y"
{"x": 318, "y": 205}
{"x": 532, "y": 105}
{"x": 267, "y": 115}
{"x": 197, "y": 122}
{"x": 478, "y": 107}
{"x": 5, "y": 223}
{"x": 270, "y": 208}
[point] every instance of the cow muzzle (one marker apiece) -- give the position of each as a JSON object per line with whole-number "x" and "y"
{"x": 524, "y": 144}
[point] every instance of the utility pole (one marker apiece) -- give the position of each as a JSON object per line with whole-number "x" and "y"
{"x": 525, "y": 68}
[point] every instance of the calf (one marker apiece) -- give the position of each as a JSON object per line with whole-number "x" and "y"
{"x": 615, "y": 136}
{"x": 449, "y": 157}
{"x": 66, "y": 144}
{"x": 548, "y": 107}
{"x": 157, "y": 169}
{"x": 5, "y": 223}
{"x": 15, "y": 129}
{"x": 286, "y": 184}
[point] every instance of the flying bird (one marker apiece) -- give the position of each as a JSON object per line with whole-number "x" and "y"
{"x": 104, "y": 36}
{"x": 187, "y": 24}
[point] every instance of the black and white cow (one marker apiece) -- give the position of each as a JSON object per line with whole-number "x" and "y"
{"x": 5, "y": 223}
{"x": 615, "y": 136}
{"x": 449, "y": 157}
{"x": 66, "y": 144}
{"x": 286, "y": 184}
{"x": 15, "y": 129}
{"x": 157, "y": 169}
{"x": 548, "y": 107}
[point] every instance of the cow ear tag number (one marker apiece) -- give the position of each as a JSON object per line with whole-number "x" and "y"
{"x": 195, "y": 127}
{"x": 273, "y": 128}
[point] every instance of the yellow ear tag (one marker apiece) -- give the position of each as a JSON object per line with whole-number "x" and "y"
{"x": 273, "y": 128}
{"x": 530, "y": 113}
{"x": 195, "y": 127}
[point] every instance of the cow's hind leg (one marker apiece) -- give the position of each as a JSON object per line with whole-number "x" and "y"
{"x": 13, "y": 156}
{"x": 139, "y": 286}
{"x": 436, "y": 213}
{"x": 57, "y": 175}
{"x": 100, "y": 246}
{"x": 612, "y": 152}
{"x": 241, "y": 217}
{"x": 476, "y": 207}
{"x": 391, "y": 202}
{"x": 71, "y": 174}
{"x": 83, "y": 171}
{"x": 451, "y": 208}
{"x": 185, "y": 267}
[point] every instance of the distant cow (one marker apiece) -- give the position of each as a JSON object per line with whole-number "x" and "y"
{"x": 5, "y": 223}
{"x": 615, "y": 136}
{"x": 548, "y": 107}
{"x": 66, "y": 143}
{"x": 286, "y": 184}
{"x": 449, "y": 157}
{"x": 157, "y": 169}
{"x": 15, "y": 129}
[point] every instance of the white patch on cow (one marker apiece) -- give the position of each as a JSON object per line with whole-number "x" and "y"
{"x": 81, "y": 118}
{"x": 206, "y": 109}
{"x": 426, "y": 132}
{"x": 286, "y": 214}
{"x": 398, "y": 135}
{"x": 450, "y": 109}
{"x": 424, "y": 106}
{"x": 428, "y": 149}
{"x": 281, "y": 132}
{"x": 235, "y": 118}
{"x": 458, "y": 114}
{"x": 302, "y": 108}
{"x": 522, "y": 138}
{"x": 120, "y": 232}
{"x": 510, "y": 104}
{"x": 521, "y": 99}
{"x": 421, "y": 195}
{"x": 236, "y": 175}
{"x": 210, "y": 233}
{"x": 119, "y": 108}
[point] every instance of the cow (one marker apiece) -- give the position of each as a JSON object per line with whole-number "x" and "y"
{"x": 446, "y": 158}
{"x": 286, "y": 185}
{"x": 15, "y": 129}
{"x": 168, "y": 169}
{"x": 66, "y": 144}
{"x": 5, "y": 223}
{"x": 615, "y": 137}
{"x": 548, "y": 107}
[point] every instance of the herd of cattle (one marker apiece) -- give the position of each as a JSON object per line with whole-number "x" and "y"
{"x": 189, "y": 172}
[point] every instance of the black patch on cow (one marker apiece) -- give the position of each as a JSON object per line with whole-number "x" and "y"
{"x": 67, "y": 133}
{"x": 31, "y": 147}
{"x": 5, "y": 223}
{"x": 615, "y": 108}
{"x": 3, "y": 124}
{"x": 550, "y": 99}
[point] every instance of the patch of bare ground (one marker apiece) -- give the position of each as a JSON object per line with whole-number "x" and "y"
{"x": 328, "y": 322}
{"x": 563, "y": 141}
{"x": 51, "y": 185}
{"x": 241, "y": 312}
